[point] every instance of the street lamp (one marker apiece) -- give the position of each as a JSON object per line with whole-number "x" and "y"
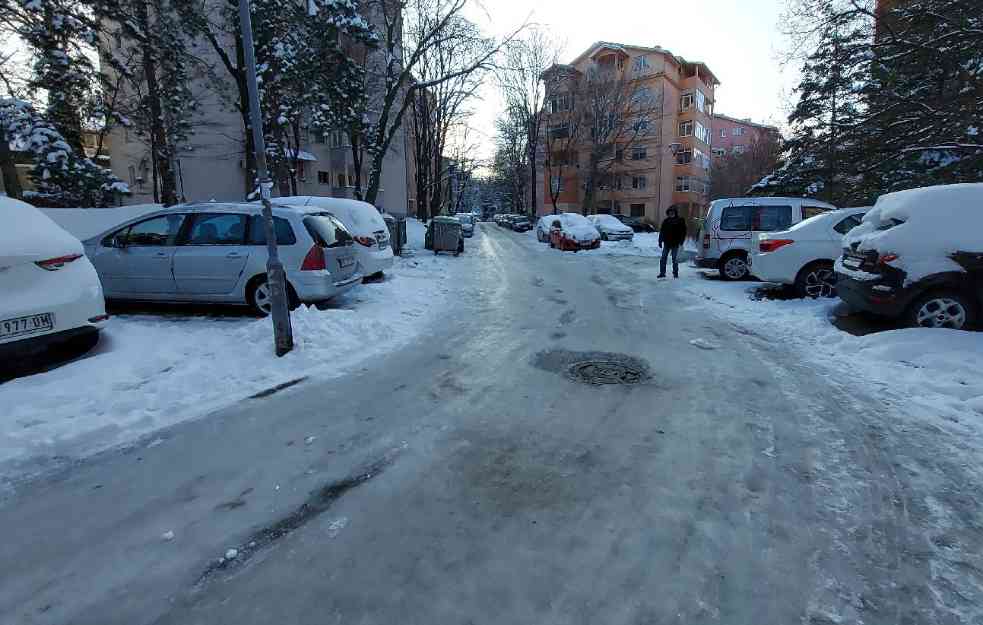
{"x": 275, "y": 278}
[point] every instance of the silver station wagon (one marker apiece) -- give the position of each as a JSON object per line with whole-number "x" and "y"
{"x": 216, "y": 252}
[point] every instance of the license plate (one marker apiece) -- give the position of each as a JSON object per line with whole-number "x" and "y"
{"x": 346, "y": 262}
{"x": 22, "y": 326}
{"x": 851, "y": 262}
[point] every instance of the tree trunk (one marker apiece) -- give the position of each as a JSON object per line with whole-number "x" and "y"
{"x": 8, "y": 168}
{"x": 159, "y": 140}
{"x": 252, "y": 176}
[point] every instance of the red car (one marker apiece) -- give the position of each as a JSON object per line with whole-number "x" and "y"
{"x": 573, "y": 232}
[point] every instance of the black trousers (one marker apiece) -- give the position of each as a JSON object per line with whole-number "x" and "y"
{"x": 666, "y": 250}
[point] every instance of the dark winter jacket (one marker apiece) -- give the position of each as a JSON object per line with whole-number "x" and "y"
{"x": 672, "y": 232}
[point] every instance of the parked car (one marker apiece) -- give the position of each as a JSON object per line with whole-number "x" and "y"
{"x": 803, "y": 256}
{"x": 573, "y": 232}
{"x": 520, "y": 223}
{"x": 611, "y": 228}
{"x": 364, "y": 222}
{"x": 730, "y": 223}
{"x": 467, "y": 224}
{"x": 637, "y": 224}
{"x": 51, "y": 292}
{"x": 212, "y": 252}
{"x": 543, "y": 225}
{"x": 918, "y": 257}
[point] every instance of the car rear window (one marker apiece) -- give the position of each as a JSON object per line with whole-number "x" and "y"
{"x": 736, "y": 218}
{"x": 812, "y": 211}
{"x": 327, "y": 230}
{"x": 257, "y": 231}
{"x": 771, "y": 218}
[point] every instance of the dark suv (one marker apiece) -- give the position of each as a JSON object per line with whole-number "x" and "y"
{"x": 520, "y": 224}
{"x": 950, "y": 299}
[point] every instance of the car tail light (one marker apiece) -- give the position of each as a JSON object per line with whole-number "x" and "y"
{"x": 366, "y": 241}
{"x": 770, "y": 245}
{"x": 98, "y": 318}
{"x": 54, "y": 264}
{"x": 887, "y": 258}
{"x": 314, "y": 261}
{"x": 706, "y": 241}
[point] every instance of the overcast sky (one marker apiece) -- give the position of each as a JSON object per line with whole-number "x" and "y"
{"x": 740, "y": 40}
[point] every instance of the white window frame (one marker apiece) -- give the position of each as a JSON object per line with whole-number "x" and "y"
{"x": 639, "y": 182}
{"x": 737, "y": 131}
{"x": 686, "y": 101}
{"x": 639, "y": 153}
{"x": 684, "y": 127}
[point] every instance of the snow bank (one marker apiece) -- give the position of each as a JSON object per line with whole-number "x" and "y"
{"x": 27, "y": 233}
{"x": 85, "y": 223}
{"x": 150, "y": 370}
{"x": 935, "y": 222}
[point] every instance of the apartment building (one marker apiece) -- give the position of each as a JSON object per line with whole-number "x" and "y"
{"x": 735, "y": 136}
{"x": 212, "y": 164}
{"x": 667, "y": 165}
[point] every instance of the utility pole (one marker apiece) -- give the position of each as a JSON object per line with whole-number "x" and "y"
{"x": 275, "y": 278}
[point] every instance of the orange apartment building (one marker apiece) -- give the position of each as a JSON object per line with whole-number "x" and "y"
{"x": 668, "y": 166}
{"x": 736, "y": 136}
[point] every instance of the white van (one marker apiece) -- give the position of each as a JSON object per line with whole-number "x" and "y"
{"x": 731, "y": 224}
{"x": 363, "y": 221}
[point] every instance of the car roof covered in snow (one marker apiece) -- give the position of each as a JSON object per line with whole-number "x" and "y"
{"x": 29, "y": 233}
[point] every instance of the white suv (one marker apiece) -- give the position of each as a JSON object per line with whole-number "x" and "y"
{"x": 730, "y": 224}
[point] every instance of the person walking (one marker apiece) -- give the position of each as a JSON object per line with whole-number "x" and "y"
{"x": 671, "y": 237}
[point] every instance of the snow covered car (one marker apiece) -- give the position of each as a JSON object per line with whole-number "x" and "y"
{"x": 363, "y": 221}
{"x": 730, "y": 224}
{"x": 803, "y": 256}
{"x": 520, "y": 223}
{"x": 637, "y": 224}
{"x": 216, "y": 252}
{"x": 543, "y": 228}
{"x": 467, "y": 224}
{"x": 51, "y": 292}
{"x": 611, "y": 228}
{"x": 918, "y": 256}
{"x": 573, "y": 232}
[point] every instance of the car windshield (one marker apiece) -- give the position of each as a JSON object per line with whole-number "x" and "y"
{"x": 572, "y": 220}
{"x": 608, "y": 220}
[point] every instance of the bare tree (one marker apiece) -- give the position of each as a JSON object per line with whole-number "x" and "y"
{"x": 410, "y": 31}
{"x": 560, "y": 130}
{"x": 733, "y": 174}
{"x": 520, "y": 80}
{"x": 614, "y": 116}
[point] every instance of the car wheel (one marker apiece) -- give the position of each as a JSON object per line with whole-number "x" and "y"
{"x": 942, "y": 309}
{"x": 259, "y": 297}
{"x": 733, "y": 267}
{"x": 816, "y": 280}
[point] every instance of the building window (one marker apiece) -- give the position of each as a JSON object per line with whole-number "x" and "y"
{"x": 341, "y": 180}
{"x": 619, "y": 182}
{"x": 562, "y": 102}
{"x": 682, "y": 184}
{"x": 684, "y": 157}
{"x": 556, "y": 184}
{"x": 686, "y": 102}
{"x": 702, "y": 133}
{"x": 319, "y": 137}
{"x": 701, "y": 101}
{"x": 739, "y": 149}
{"x": 133, "y": 176}
{"x": 719, "y": 151}
{"x": 617, "y": 208}
{"x": 338, "y": 139}
{"x": 737, "y": 132}
{"x": 640, "y": 64}
{"x": 558, "y": 131}
{"x": 638, "y": 182}
{"x": 324, "y": 177}
{"x": 702, "y": 159}
{"x": 637, "y": 210}
{"x": 686, "y": 129}
{"x": 639, "y": 153}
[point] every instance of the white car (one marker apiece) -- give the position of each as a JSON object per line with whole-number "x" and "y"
{"x": 803, "y": 255}
{"x": 51, "y": 292}
{"x": 363, "y": 221}
{"x": 611, "y": 228}
{"x": 730, "y": 224}
{"x": 543, "y": 228}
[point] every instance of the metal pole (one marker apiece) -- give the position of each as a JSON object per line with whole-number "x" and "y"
{"x": 275, "y": 278}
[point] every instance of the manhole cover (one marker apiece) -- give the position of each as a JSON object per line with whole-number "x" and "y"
{"x": 605, "y": 372}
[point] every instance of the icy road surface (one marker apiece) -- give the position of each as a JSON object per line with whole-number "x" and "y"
{"x": 465, "y": 478}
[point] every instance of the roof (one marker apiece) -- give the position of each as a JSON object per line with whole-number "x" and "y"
{"x": 597, "y": 45}
{"x": 746, "y": 122}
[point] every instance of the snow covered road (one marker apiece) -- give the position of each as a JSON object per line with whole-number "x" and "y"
{"x": 749, "y": 478}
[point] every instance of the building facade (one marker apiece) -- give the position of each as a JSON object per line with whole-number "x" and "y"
{"x": 211, "y": 165}
{"x": 736, "y": 136}
{"x": 667, "y": 165}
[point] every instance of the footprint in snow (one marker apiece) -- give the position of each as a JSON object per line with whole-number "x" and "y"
{"x": 703, "y": 344}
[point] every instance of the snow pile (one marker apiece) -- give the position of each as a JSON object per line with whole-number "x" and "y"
{"x": 924, "y": 227}
{"x": 27, "y": 233}
{"x": 150, "y": 370}
{"x": 85, "y": 223}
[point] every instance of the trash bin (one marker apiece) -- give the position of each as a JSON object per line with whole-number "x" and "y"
{"x": 444, "y": 235}
{"x": 397, "y": 233}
